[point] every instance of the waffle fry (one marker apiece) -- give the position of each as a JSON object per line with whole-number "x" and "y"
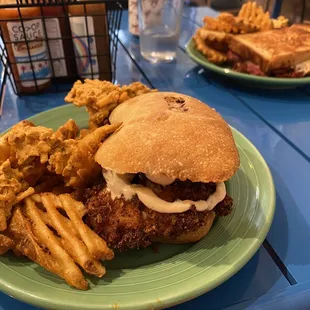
{"x": 252, "y": 18}
{"x": 49, "y": 230}
{"x": 226, "y": 17}
{"x": 210, "y": 35}
{"x": 220, "y": 25}
{"x": 280, "y": 22}
{"x": 212, "y": 55}
{"x": 20, "y": 197}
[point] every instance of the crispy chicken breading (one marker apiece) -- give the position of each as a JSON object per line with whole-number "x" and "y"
{"x": 128, "y": 224}
{"x": 101, "y": 97}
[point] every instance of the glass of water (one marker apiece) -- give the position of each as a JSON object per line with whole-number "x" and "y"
{"x": 159, "y": 24}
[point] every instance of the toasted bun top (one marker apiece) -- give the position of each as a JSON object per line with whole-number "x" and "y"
{"x": 172, "y": 134}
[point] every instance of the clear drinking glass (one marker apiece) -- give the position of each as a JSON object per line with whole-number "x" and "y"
{"x": 159, "y": 24}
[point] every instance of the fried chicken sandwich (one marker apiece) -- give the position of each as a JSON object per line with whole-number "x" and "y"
{"x": 163, "y": 172}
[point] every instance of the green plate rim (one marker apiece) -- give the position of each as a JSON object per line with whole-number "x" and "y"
{"x": 195, "y": 55}
{"x": 30, "y": 297}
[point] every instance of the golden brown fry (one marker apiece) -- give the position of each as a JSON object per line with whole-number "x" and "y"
{"x": 252, "y": 17}
{"x": 89, "y": 92}
{"x": 45, "y": 236}
{"x": 96, "y": 245}
{"x": 47, "y": 220}
{"x": 5, "y": 151}
{"x": 3, "y": 218}
{"x": 26, "y": 233}
{"x": 227, "y": 17}
{"x": 71, "y": 243}
{"x": 213, "y": 36}
{"x": 280, "y": 22}
{"x": 49, "y": 230}
{"x": 69, "y": 130}
{"x": 30, "y": 142}
{"x": 21, "y": 196}
{"x": 212, "y": 55}
{"x": 220, "y": 25}
{"x": 84, "y": 133}
{"x": 12, "y": 183}
{"x": 75, "y": 159}
{"x": 6, "y": 244}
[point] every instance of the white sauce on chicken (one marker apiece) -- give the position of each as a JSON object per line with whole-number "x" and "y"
{"x": 160, "y": 179}
{"x": 303, "y": 67}
{"x": 120, "y": 185}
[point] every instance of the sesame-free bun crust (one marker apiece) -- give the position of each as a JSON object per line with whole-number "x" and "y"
{"x": 172, "y": 134}
{"x": 192, "y": 236}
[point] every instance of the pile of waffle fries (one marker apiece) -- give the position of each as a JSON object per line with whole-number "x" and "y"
{"x": 48, "y": 229}
{"x": 210, "y": 39}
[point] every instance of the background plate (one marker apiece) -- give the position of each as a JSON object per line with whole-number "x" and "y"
{"x": 140, "y": 279}
{"x": 243, "y": 78}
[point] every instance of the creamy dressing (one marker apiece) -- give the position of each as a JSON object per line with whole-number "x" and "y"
{"x": 119, "y": 185}
{"x": 303, "y": 66}
{"x": 160, "y": 179}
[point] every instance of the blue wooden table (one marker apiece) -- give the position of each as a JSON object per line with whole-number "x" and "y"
{"x": 277, "y": 122}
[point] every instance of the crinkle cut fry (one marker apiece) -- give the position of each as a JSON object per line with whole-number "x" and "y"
{"x": 50, "y": 231}
{"x": 220, "y": 25}
{"x": 26, "y": 244}
{"x": 96, "y": 245}
{"x": 47, "y": 219}
{"x": 21, "y": 196}
{"x": 71, "y": 243}
{"x": 252, "y": 18}
{"x": 213, "y": 36}
{"x": 280, "y": 22}
{"x": 70, "y": 272}
{"x": 212, "y": 55}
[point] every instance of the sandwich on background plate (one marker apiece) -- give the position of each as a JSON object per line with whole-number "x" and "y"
{"x": 163, "y": 172}
{"x": 279, "y": 52}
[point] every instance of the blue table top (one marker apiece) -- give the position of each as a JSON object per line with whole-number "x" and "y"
{"x": 277, "y": 122}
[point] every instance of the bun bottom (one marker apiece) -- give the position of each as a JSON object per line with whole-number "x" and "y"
{"x": 191, "y": 236}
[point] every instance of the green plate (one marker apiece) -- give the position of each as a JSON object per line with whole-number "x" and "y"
{"x": 170, "y": 274}
{"x": 243, "y": 78}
